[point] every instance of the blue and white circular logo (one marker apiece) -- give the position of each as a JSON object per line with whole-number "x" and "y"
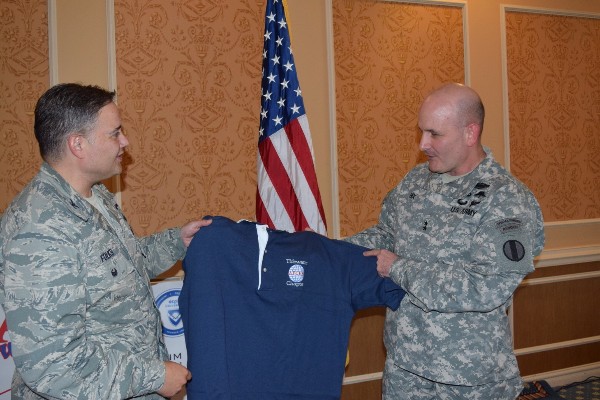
{"x": 168, "y": 305}
{"x": 296, "y": 273}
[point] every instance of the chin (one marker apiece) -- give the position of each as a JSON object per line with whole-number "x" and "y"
{"x": 433, "y": 169}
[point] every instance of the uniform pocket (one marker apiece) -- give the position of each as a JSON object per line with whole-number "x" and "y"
{"x": 112, "y": 281}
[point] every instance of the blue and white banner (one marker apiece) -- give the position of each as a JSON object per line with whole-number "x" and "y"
{"x": 166, "y": 294}
{"x": 7, "y": 365}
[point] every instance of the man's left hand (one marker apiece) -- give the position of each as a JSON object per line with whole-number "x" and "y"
{"x": 385, "y": 259}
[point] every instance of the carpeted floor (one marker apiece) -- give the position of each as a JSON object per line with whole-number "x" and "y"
{"x": 586, "y": 390}
{"x": 541, "y": 390}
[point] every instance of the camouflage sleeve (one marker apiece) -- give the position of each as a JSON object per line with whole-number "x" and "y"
{"x": 162, "y": 250}
{"x": 45, "y": 307}
{"x": 484, "y": 272}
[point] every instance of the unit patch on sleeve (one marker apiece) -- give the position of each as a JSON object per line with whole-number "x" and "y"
{"x": 509, "y": 225}
{"x": 514, "y": 250}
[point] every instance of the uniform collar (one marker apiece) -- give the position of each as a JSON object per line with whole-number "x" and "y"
{"x": 73, "y": 200}
{"x": 435, "y": 181}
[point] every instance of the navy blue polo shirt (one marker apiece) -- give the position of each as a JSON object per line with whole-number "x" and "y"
{"x": 270, "y": 318}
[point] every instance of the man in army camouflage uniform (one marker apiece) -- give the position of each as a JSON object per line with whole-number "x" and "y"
{"x": 74, "y": 280}
{"x": 458, "y": 233}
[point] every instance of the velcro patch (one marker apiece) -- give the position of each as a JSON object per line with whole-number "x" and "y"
{"x": 513, "y": 250}
{"x": 509, "y": 225}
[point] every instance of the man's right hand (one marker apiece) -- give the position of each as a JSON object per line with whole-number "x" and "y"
{"x": 176, "y": 376}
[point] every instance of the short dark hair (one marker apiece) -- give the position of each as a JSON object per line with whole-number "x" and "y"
{"x": 474, "y": 112}
{"x": 64, "y": 109}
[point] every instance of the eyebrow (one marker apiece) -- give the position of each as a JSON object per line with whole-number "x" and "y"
{"x": 432, "y": 131}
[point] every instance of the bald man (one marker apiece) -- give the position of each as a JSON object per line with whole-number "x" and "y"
{"x": 458, "y": 234}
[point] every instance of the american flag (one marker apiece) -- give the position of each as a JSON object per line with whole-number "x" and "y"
{"x": 287, "y": 196}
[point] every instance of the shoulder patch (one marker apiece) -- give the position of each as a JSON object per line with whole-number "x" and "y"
{"x": 513, "y": 250}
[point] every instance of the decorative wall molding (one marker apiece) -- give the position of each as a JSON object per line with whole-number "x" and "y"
{"x": 111, "y": 47}
{"x": 577, "y": 222}
{"x": 52, "y": 43}
{"x": 560, "y": 278}
{"x": 449, "y": 3}
{"x": 555, "y": 378}
{"x": 550, "y": 11}
{"x": 566, "y": 256}
{"x": 378, "y": 95}
{"x": 24, "y": 45}
{"x": 537, "y": 10}
{"x": 335, "y": 193}
{"x": 350, "y": 380}
{"x": 557, "y": 345}
{"x": 550, "y": 105}
{"x": 565, "y": 376}
{"x": 189, "y": 96}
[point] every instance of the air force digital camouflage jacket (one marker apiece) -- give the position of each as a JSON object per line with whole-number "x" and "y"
{"x": 77, "y": 295}
{"x": 464, "y": 247}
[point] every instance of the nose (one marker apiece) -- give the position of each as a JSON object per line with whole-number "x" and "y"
{"x": 424, "y": 143}
{"x": 123, "y": 141}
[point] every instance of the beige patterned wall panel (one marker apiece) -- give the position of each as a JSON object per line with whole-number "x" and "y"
{"x": 388, "y": 55}
{"x": 23, "y": 78}
{"x": 188, "y": 75}
{"x": 553, "y": 64}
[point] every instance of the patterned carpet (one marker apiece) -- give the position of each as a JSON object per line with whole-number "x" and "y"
{"x": 541, "y": 390}
{"x": 586, "y": 390}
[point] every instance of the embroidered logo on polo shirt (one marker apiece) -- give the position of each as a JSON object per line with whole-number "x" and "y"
{"x": 296, "y": 273}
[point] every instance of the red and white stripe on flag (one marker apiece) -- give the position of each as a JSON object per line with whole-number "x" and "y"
{"x": 287, "y": 196}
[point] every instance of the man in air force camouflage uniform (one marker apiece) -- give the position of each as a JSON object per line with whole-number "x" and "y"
{"x": 458, "y": 233}
{"x": 74, "y": 280}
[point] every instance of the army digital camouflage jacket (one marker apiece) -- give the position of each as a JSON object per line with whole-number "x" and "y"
{"x": 77, "y": 295}
{"x": 464, "y": 247}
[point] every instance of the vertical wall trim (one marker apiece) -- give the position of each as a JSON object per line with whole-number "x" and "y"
{"x": 111, "y": 46}
{"x": 466, "y": 46}
{"x": 504, "y": 62}
{"x": 111, "y": 50}
{"x": 52, "y": 43}
{"x": 335, "y": 195}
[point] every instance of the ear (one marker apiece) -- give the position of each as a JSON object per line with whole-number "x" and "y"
{"x": 472, "y": 134}
{"x": 75, "y": 144}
